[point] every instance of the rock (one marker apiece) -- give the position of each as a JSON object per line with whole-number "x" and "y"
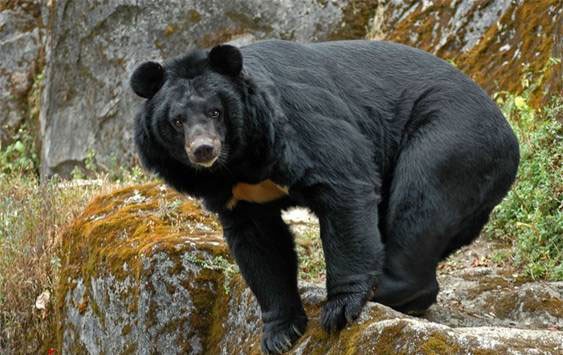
{"x": 21, "y": 46}
{"x": 496, "y": 42}
{"x": 146, "y": 271}
{"x": 477, "y": 292}
{"x": 93, "y": 47}
{"x": 143, "y": 270}
{"x": 494, "y": 299}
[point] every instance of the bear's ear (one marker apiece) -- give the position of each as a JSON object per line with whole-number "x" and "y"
{"x": 226, "y": 59}
{"x": 147, "y": 79}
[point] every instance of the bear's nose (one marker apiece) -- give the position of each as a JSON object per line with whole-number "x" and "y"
{"x": 204, "y": 152}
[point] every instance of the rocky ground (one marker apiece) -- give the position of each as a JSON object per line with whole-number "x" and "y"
{"x": 477, "y": 289}
{"x": 146, "y": 270}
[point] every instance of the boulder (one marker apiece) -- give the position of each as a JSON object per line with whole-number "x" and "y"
{"x": 145, "y": 270}
{"x": 92, "y": 47}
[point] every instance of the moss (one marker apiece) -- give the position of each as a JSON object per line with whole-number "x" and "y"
{"x": 194, "y": 16}
{"x": 117, "y": 231}
{"x": 169, "y": 30}
{"x": 387, "y": 339}
{"x": 546, "y": 303}
{"x": 438, "y": 343}
{"x": 130, "y": 349}
{"x": 355, "y": 19}
{"x": 502, "y": 305}
{"x": 240, "y": 24}
{"x": 248, "y": 22}
{"x": 418, "y": 27}
{"x": 528, "y": 29}
{"x": 216, "y": 330}
{"x": 486, "y": 284}
{"x": 30, "y": 7}
{"x": 393, "y": 338}
{"x": 126, "y": 329}
{"x": 505, "y": 304}
{"x": 486, "y": 351}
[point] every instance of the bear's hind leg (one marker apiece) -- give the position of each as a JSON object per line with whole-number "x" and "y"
{"x": 412, "y": 289}
{"x": 469, "y": 232}
{"x": 433, "y": 194}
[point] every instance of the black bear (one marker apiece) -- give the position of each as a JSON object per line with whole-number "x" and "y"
{"x": 399, "y": 154}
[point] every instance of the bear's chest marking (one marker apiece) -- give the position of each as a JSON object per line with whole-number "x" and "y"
{"x": 265, "y": 191}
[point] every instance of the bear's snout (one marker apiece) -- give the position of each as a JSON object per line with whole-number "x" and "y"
{"x": 204, "y": 151}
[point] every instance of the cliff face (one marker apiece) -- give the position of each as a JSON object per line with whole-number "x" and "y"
{"x": 145, "y": 270}
{"x": 21, "y": 61}
{"x": 90, "y": 48}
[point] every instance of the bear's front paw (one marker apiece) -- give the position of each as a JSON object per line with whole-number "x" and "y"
{"x": 341, "y": 310}
{"x": 279, "y": 336}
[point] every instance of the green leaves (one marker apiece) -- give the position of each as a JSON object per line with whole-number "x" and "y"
{"x": 531, "y": 216}
{"x": 19, "y": 147}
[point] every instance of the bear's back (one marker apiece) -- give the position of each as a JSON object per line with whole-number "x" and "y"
{"x": 356, "y": 62}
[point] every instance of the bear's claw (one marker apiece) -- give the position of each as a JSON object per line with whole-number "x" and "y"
{"x": 341, "y": 310}
{"x": 280, "y": 337}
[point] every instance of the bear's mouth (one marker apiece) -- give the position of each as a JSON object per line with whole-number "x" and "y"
{"x": 207, "y": 164}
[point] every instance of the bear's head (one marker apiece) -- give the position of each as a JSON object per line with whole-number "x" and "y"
{"x": 194, "y": 109}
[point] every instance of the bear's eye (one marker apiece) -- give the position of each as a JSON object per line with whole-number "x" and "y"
{"x": 178, "y": 123}
{"x": 214, "y": 113}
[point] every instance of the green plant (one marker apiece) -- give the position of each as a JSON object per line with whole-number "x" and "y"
{"x": 20, "y": 155}
{"x": 118, "y": 172}
{"x": 531, "y": 215}
{"x": 217, "y": 263}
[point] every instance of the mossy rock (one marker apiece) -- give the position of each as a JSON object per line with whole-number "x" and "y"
{"x": 492, "y": 41}
{"x": 145, "y": 270}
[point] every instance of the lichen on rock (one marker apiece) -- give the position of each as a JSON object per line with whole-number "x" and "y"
{"x": 496, "y": 42}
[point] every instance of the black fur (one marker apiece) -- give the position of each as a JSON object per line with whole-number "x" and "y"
{"x": 400, "y": 155}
